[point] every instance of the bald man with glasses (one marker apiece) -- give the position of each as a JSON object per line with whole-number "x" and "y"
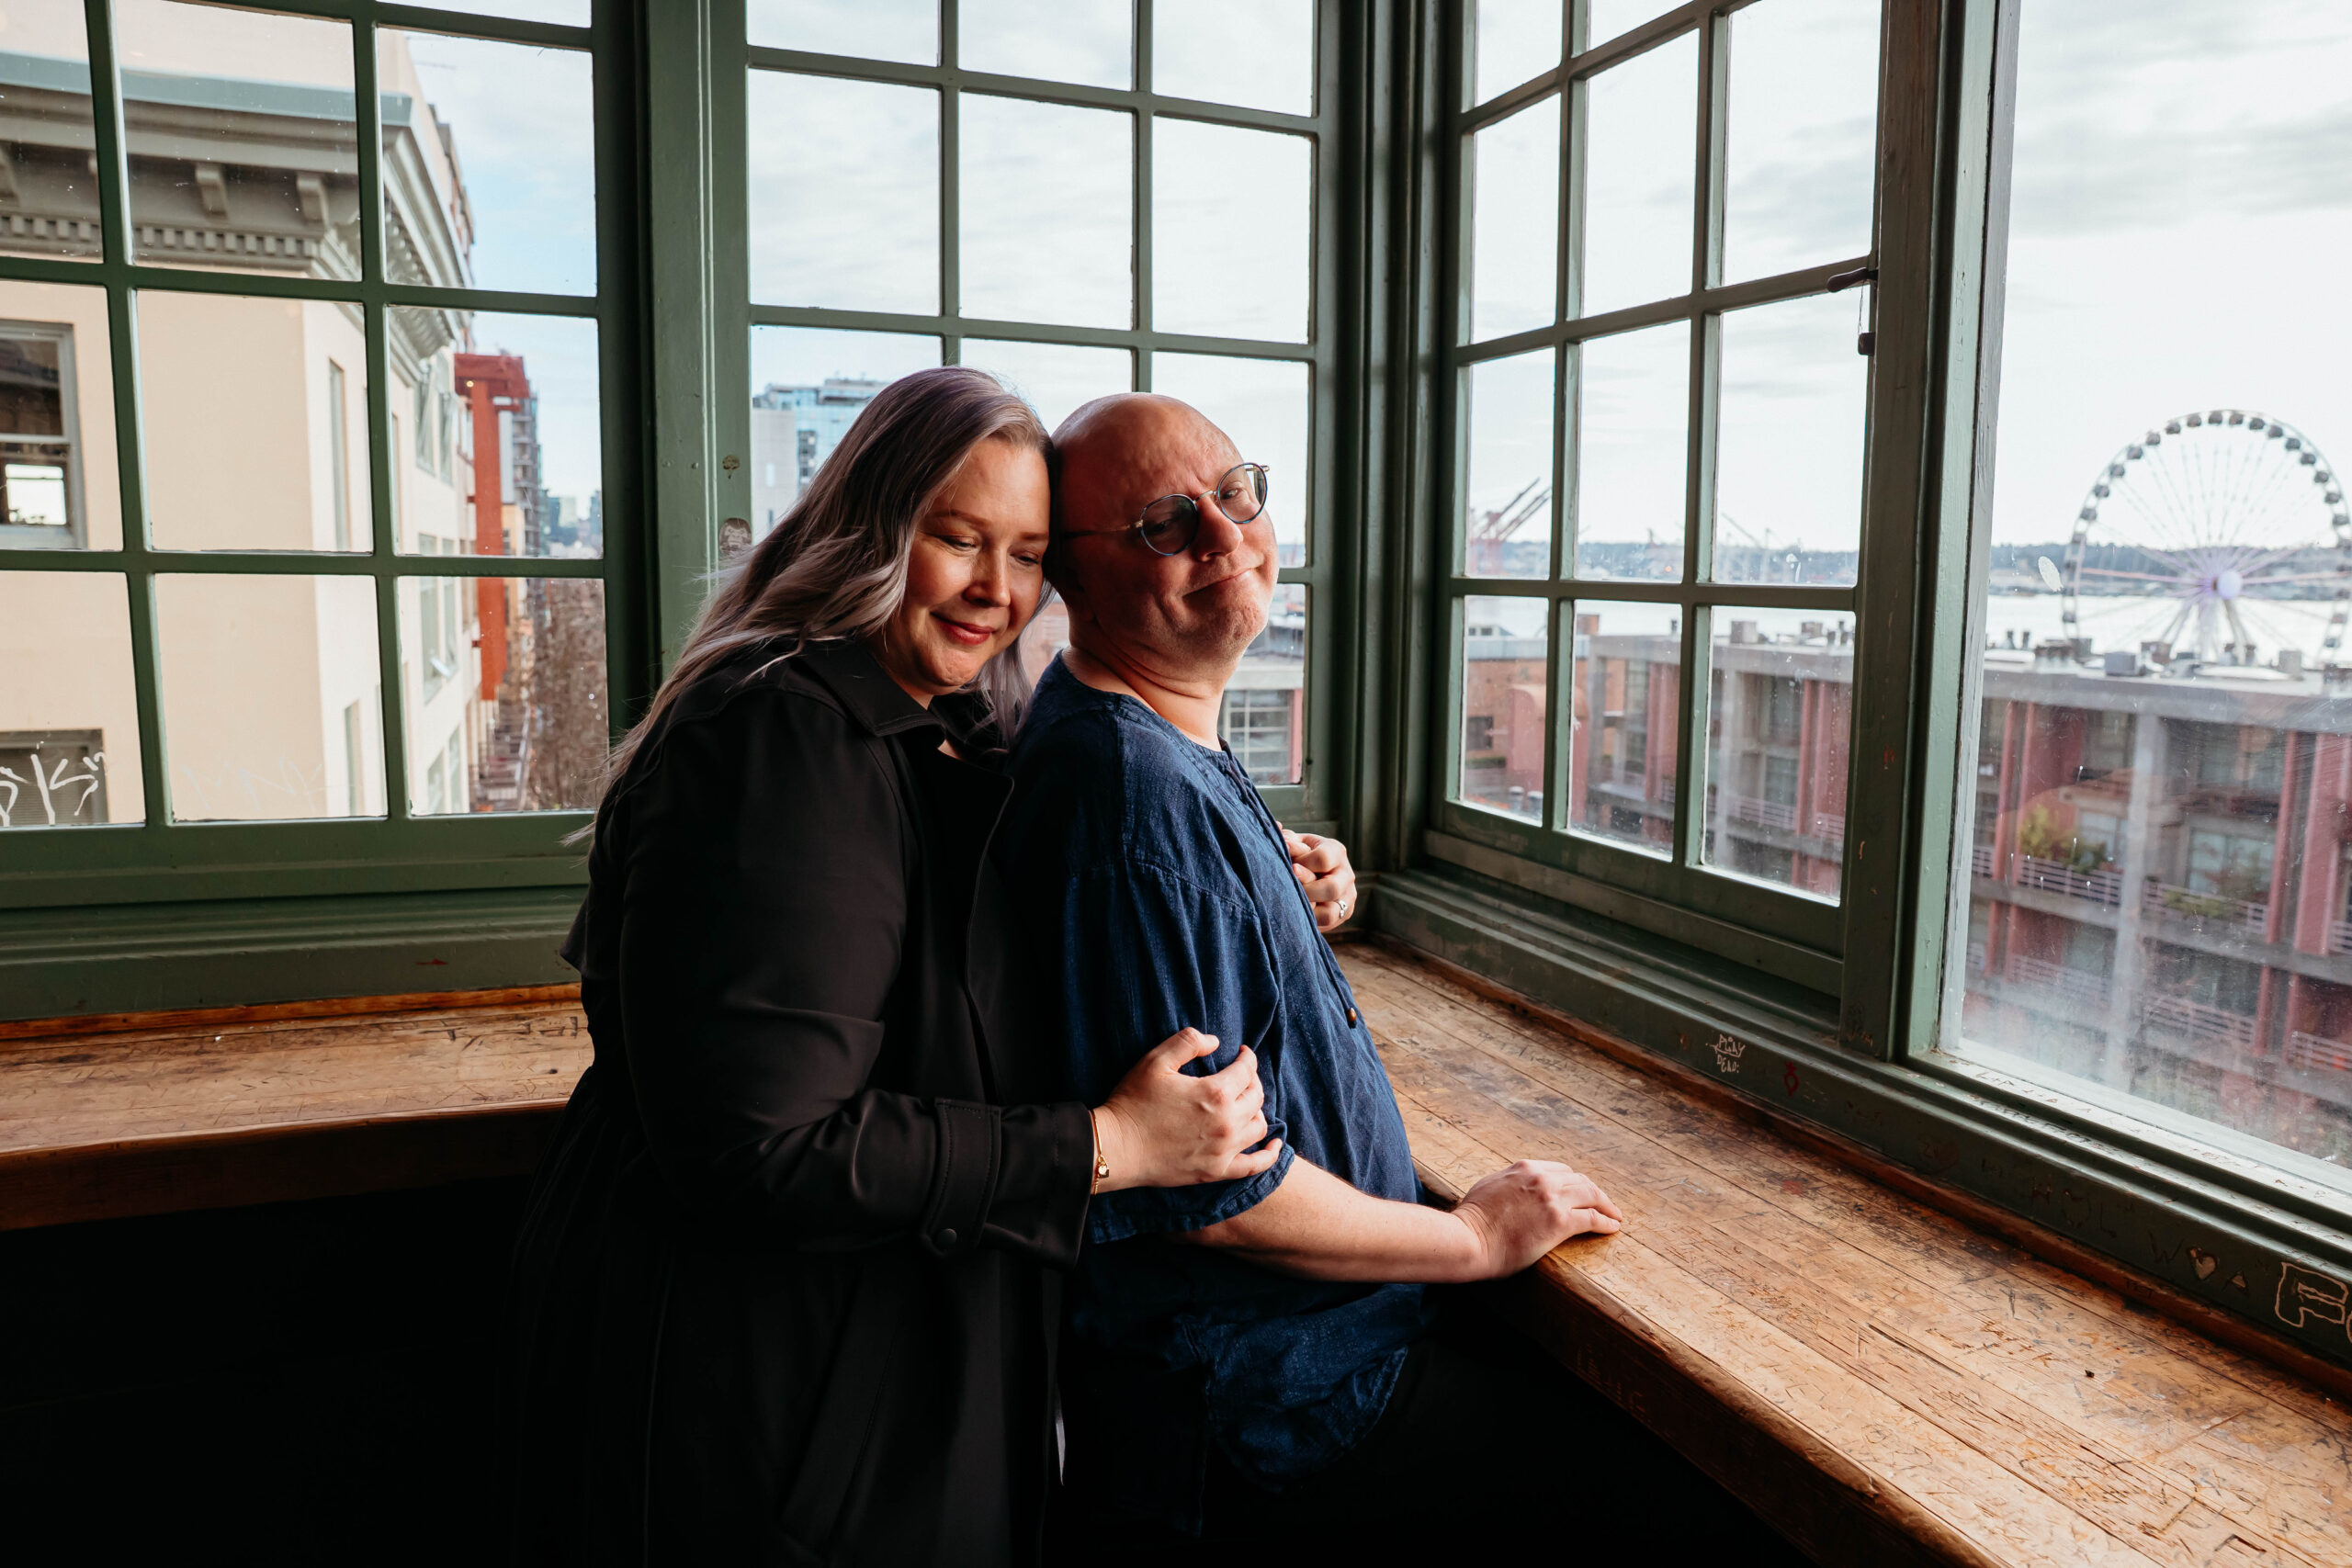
{"x": 1249, "y": 1358}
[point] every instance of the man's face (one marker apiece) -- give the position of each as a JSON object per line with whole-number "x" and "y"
{"x": 1185, "y": 617}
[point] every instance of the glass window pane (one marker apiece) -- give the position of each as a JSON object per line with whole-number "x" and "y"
{"x": 1780, "y": 722}
{"x": 1613, "y": 18}
{"x": 69, "y": 711}
{"x": 256, "y": 108}
{"x": 60, "y": 486}
{"x": 1257, "y": 54}
{"x": 1505, "y": 646}
{"x": 1641, "y": 141}
{"x": 272, "y": 703}
{"x": 1048, "y": 212}
{"x": 257, "y": 422}
{"x": 1090, "y": 41}
{"x": 807, "y": 385}
{"x": 503, "y": 434}
{"x": 1632, "y": 453}
{"x": 1624, "y": 728}
{"x": 1516, "y": 40}
{"x": 1515, "y": 223}
{"x": 563, "y": 13}
{"x": 490, "y": 164}
{"x": 2160, "y": 911}
{"x": 1264, "y": 716}
{"x": 1789, "y": 443}
{"x": 844, "y": 200}
{"x": 1263, "y": 405}
{"x": 1055, "y": 377}
{"x": 1801, "y": 138}
{"x": 905, "y": 30}
{"x": 504, "y": 684}
{"x": 55, "y": 211}
{"x": 1231, "y": 213}
{"x": 1506, "y": 493}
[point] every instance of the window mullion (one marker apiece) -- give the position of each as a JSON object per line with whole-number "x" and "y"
{"x": 391, "y": 697}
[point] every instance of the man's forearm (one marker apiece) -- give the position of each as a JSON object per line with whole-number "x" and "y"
{"x": 1318, "y": 1227}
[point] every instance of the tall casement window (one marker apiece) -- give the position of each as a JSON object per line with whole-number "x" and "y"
{"x": 289, "y": 302}
{"x": 2153, "y": 906}
{"x": 1660, "y": 372}
{"x": 1086, "y": 198}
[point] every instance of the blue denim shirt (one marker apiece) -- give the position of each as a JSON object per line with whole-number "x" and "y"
{"x": 1154, "y": 889}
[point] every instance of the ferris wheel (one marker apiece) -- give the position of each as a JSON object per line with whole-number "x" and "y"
{"x": 2222, "y": 537}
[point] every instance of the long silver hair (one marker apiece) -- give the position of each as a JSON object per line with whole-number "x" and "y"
{"x": 836, "y": 565}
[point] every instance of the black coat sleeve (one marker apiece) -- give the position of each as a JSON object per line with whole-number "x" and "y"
{"x": 764, "y": 905}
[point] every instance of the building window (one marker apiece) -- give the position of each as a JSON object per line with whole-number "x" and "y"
{"x": 2166, "y": 756}
{"x": 53, "y": 779}
{"x": 1657, "y": 427}
{"x": 40, "y": 478}
{"x": 1257, "y": 725}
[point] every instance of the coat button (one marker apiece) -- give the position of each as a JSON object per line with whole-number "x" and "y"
{"x": 945, "y": 1239}
{"x": 1351, "y": 1018}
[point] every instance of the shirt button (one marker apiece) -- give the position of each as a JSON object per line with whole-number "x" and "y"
{"x": 945, "y": 1239}
{"x": 1351, "y": 1018}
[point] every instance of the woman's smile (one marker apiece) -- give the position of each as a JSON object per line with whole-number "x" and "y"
{"x": 967, "y": 634}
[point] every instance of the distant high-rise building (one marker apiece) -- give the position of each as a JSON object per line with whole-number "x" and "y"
{"x": 794, "y": 430}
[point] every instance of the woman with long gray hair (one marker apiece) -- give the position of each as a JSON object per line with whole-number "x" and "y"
{"x": 785, "y": 1292}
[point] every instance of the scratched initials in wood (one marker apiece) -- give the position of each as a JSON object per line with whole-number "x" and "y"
{"x": 2306, "y": 1294}
{"x": 1727, "y": 1052}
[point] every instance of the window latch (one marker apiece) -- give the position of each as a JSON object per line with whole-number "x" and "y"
{"x": 1864, "y": 339}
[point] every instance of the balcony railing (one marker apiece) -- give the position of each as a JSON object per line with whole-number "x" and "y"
{"x": 1763, "y": 813}
{"x": 1984, "y": 862}
{"x": 2057, "y": 876}
{"x": 2317, "y": 1051}
{"x": 2077, "y": 985}
{"x": 2339, "y": 936}
{"x": 2198, "y": 1021}
{"x": 2211, "y": 910}
{"x": 1830, "y": 825}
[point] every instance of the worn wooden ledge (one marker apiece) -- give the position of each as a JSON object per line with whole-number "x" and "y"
{"x": 103, "y": 1118}
{"x": 1882, "y": 1382}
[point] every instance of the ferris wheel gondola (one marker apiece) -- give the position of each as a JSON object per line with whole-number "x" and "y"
{"x": 2221, "y": 538}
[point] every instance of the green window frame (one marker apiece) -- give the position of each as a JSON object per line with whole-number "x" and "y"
{"x": 1314, "y": 801}
{"x": 131, "y": 870}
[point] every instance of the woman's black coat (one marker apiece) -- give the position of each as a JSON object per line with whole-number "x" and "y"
{"x": 782, "y": 1292}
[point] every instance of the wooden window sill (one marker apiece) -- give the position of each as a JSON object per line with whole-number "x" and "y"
{"x": 1882, "y": 1382}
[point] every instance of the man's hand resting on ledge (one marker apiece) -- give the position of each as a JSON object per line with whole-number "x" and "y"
{"x": 1318, "y": 1227}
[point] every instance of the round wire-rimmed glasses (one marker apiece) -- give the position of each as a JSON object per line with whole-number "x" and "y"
{"x": 1169, "y": 524}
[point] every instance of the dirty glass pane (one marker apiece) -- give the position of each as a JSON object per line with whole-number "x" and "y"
{"x": 59, "y": 485}
{"x": 844, "y": 192}
{"x": 1048, "y": 209}
{"x": 906, "y": 30}
{"x": 69, "y": 711}
{"x": 1641, "y": 142}
{"x": 273, "y": 706}
{"x": 808, "y": 385}
{"x": 503, "y": 686}
{"x": 1780, "y": 722}
{"x": 1631, "y": 453}
{"x": 1507, "y": 491}
{"x": 1624, "y": 724}
{"x": 1264, "y": 716}
{"x": 1505, "y": 644}
{"x": 2159, "y": 911}
{"x": 1515, "y": 223}
{"x": 263, "y": 171}
{"x": 499, "y": 439}
{"x": 282, "y": 464}
{"x": 1263, "y": 404}
{"x": 490, "y": 164}
{"x": 45, "y": 67}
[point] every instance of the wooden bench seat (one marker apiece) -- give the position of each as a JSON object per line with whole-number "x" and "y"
{"x": 1878, "y": 1379}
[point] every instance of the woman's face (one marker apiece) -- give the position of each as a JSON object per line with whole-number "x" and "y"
{"x": 975, "y": 572}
